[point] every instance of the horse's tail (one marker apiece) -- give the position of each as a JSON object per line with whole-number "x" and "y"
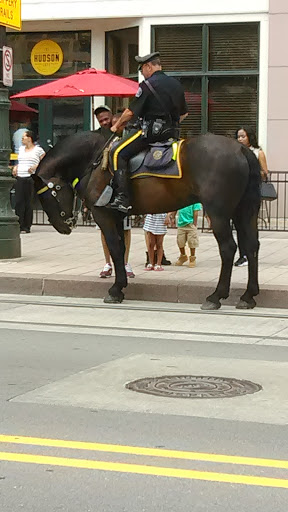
{"x": 252, "y": 193}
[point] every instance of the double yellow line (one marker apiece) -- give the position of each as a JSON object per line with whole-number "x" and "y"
{"x": 146, "y": 469}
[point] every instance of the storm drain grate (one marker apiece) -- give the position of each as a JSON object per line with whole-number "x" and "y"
{"x": 193, "y": 386}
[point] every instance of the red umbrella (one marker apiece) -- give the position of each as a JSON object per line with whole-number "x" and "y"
{"x": 20, "y": 107}
{"x": 19, "y": 112}
{"x": 89, "y": 82}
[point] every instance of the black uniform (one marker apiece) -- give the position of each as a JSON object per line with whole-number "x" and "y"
{"x": 148, "y": 108}
{"x": 159, "y": 120}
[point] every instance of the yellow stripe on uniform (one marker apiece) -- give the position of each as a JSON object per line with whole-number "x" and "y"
{"x": 122, "y": 146}
{"x": 145, "y": 470}
{"x": 147, "y": 452}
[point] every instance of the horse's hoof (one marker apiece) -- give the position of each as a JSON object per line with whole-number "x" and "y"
{"x": 113, "y": 300}
{"x": 242, "y": 304}
{"x": 210, "y": 306}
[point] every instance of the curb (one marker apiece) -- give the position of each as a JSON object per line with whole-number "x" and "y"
{"x": 164, "y": 291}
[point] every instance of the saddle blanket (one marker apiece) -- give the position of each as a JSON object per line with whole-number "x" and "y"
{"x": 160, "y": 160}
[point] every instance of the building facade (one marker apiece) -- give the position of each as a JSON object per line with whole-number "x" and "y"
{"x": 229, "y": 57}
{"x": 277, "y": 115}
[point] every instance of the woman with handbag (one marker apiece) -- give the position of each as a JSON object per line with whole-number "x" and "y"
{"x": 246, "y": 135}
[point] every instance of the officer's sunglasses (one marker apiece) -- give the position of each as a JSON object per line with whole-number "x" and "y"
{"x": 140, "y": 67}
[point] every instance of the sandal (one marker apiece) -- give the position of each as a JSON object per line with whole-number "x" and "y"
{"x": 158, "y": 268}
{"x": 149, "y": 267}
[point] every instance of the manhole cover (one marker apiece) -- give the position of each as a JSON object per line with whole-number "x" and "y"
{"x": 193, "y": 386}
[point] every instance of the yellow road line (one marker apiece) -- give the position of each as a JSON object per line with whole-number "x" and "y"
{"x": 144, "y": 470}
{"x": 148, "y": 452}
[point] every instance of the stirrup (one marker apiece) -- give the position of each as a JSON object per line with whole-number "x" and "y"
{"x": 117, "y": 204}
{"x": 120, "y": 207}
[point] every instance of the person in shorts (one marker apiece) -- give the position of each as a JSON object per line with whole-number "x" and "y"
{"x": 187, "y": 232}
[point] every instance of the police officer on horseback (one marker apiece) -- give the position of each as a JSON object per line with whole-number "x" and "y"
{"x": 159, "y": 106}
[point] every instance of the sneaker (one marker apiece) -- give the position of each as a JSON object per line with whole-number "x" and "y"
{"x": 107, "y": 271}
{"x": 241, "y": 262}
{"x": 182, "y": 258}
{"x": 129, "y": 271}
{"x": 192, "y": 261}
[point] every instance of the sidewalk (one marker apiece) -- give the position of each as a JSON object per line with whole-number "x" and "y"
{"x": 58, "y": 265}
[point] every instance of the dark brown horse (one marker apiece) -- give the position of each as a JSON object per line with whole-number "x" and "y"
{"x": 218, "y": 172}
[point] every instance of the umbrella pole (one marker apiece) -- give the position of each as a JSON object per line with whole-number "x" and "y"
{"x": 93, "y": 117}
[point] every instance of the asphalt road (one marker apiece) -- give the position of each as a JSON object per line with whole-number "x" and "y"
{"x": 73, "y": 438}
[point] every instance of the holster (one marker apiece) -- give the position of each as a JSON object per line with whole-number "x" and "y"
{"x": 158, "y": 127}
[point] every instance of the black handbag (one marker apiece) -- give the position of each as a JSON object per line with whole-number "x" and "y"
{"x": 268, "y": 191}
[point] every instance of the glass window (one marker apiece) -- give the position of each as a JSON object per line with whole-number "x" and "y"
{"x": 180, "y": 47}
{"x": 67, "y": 117}
{"x": 192, "y": 124}
{"x": 233, "y": 103}
{"x": 220, "y": 61}
{"x": 233, "y": 46}
{"x": 76, "y": 47}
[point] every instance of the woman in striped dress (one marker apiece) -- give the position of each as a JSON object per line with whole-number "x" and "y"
{"x": 156, "y": 229}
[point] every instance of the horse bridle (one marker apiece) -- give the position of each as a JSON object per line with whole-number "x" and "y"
{"x": 54, "y": 188}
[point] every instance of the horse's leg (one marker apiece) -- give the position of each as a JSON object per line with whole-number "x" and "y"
{"x": 227, "y": 247}
{"x": 117, "y": 255}
{"x": 111, "y": 224}
{"x": 248, "y": 234}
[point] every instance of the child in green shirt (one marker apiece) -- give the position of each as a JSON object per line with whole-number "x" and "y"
{"x": 187, "y": 232}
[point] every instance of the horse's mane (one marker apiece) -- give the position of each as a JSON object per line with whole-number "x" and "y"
{"x": 74, "y": 150}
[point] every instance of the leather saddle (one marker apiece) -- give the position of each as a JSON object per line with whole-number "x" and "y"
{"x": 159, "y": 159}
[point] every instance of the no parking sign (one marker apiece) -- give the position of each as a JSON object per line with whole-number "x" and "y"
{"x": 7, "y": 56}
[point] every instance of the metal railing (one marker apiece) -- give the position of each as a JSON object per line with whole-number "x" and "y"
{"x": 272, "y": 215}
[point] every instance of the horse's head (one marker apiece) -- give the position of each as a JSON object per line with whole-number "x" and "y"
{"x": 67, "y": 166}
{"x": 57, "y": 199}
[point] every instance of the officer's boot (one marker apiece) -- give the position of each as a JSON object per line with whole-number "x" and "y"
{"x": 121, "y": 200}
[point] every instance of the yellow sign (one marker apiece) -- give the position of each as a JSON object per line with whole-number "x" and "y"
{"x": 46, "y": 57}
{"x": 10, "y": 13}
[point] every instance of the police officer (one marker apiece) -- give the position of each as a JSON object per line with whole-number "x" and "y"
{"x": 160, "y": 106}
